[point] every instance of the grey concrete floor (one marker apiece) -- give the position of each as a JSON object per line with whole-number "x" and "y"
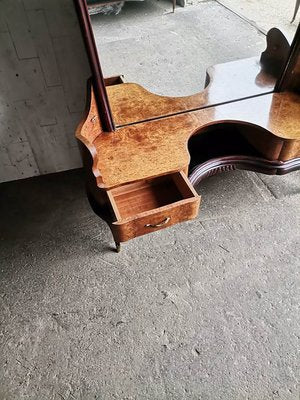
{"x": 208, "y": 309}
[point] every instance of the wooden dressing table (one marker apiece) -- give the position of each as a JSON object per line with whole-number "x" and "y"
{"x": 143, "y": 153}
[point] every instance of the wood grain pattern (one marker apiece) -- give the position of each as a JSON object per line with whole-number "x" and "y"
{"x": 88, "y": 129}
{"x": 158, "y": 147}
{"x": 180, "y": 211}
{"x": 290, "y": 149}
{"x": 146, "y": 206}
{"x": 131, "y": 103}
{"x": 142, "y": 196}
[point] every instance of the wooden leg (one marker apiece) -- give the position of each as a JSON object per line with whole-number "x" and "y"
{"x": 174, "y": 5}
{"x": 296, "y": 10}
{"x": 118, "y": 247}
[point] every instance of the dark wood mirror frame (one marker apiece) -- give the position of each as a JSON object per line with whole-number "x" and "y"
{"x": 97, "y": 75}
{"x": 143, "y": 153}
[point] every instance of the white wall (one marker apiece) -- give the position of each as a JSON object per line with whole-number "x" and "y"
{"x": 43, "y": 73}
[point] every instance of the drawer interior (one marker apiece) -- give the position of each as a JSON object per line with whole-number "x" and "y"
{"x": 136, "y": 198}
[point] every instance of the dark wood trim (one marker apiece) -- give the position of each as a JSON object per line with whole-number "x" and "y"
{"x": 103, "y": 106}
{"x": 290, "y": 77}
{"x": 249, "y": 163}
{"x": 273, "y": 60}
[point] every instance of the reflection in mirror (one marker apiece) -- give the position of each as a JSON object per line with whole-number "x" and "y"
{"x": 165, "y": 56}
{"x": 168, "y": 53}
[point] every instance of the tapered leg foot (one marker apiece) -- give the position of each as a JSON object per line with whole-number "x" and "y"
{"x": 118, "y": 247}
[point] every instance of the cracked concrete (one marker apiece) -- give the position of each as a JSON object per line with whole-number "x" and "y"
{"x": 208, "y": 309}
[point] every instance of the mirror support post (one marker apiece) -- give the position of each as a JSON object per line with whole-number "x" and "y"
{"x": 101, "y": 97}
{"x": 290, "y": 78}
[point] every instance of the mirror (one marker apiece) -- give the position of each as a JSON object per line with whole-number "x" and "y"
{"x": 165, "y": 55}
{"x": 168, "y": 53}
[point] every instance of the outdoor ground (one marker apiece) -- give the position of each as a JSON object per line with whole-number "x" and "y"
{"x": 205, "y": 310}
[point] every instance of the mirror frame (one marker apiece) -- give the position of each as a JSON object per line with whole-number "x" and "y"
{"x": 97, "y": 75}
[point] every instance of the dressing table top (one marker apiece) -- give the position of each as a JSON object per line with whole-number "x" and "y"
{"x": 157, "y": 147}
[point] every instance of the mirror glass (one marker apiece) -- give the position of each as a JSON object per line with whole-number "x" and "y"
{"x": 168, "y": 53}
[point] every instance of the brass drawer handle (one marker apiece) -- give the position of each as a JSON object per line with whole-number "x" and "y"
{"x": 162, "y": 223}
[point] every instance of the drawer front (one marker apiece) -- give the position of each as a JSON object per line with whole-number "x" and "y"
{"x": 156, "y": 219}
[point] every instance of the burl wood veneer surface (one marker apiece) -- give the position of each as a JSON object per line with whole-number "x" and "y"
{"x": 157, "y": 147}
{"x": 179, "y": 211}
{"x": 235, "y": 80}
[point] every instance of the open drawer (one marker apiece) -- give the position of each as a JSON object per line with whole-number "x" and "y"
{"x": 149, "y": 205}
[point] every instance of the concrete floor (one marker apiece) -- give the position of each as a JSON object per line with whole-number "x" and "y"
{"x": 265, "y": 14}
{"x": 207, "y": 310}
